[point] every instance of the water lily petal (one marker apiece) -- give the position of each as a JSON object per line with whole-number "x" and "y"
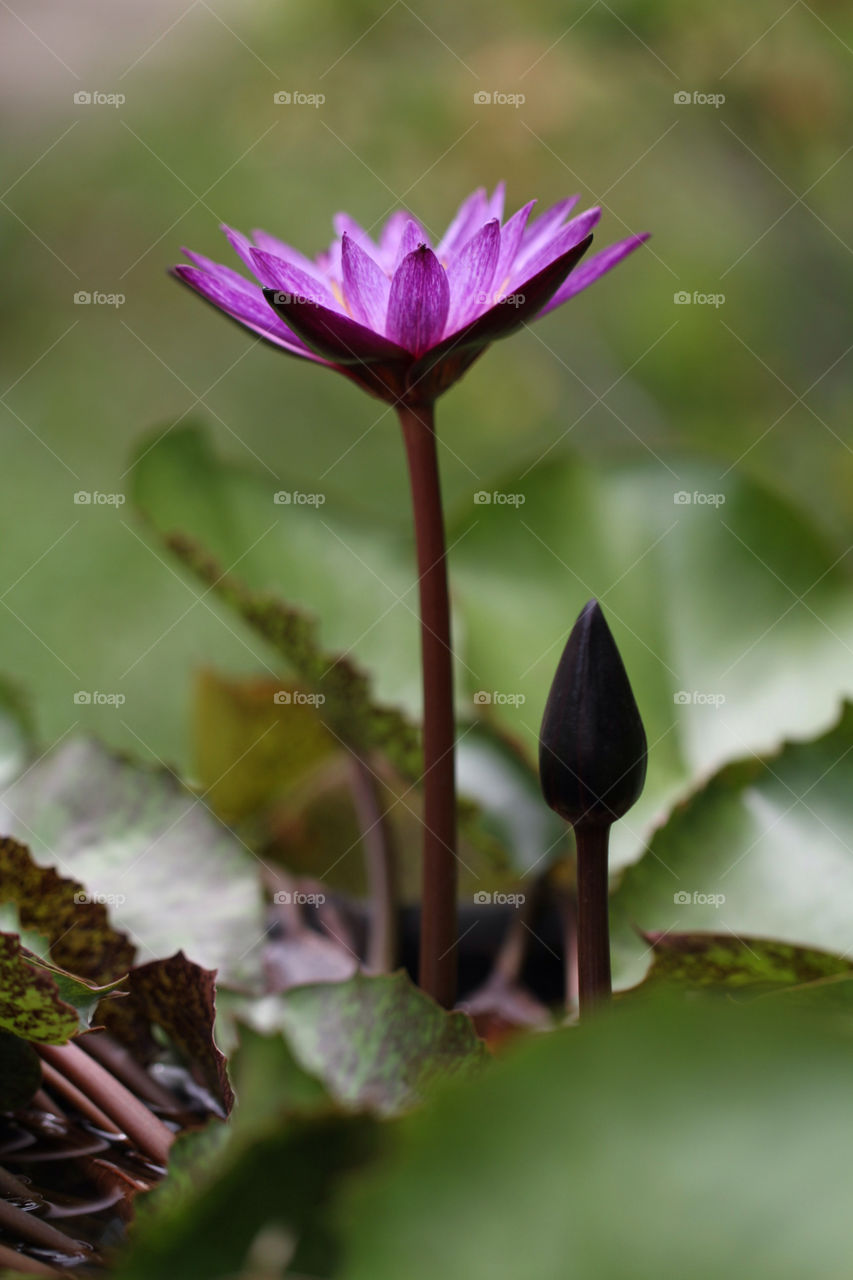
{"x": 346, "y": 226}
{"x": 366, "y": 286}
{"x": 389, "y": 239}
{"x": 572, "y": 233}
{"x": 412, "y": 238}
{"x": 271, "y": 244}
{"x": 442, "y": 365}
{"x": 246, "y": 305}
{"x": 496, "y": 202}
{"x": 470, "y": 276}
{"x": 511, "y": 236}
{"x": 418, "y": 302}
{"x": 333, "y": 334}
{"x": 546, "y": 225}
{"x": 471, "y": 214}
{"x": 276, "y": 273}
{"x": 594, "y": 267}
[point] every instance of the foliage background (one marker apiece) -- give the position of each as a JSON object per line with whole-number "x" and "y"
{"x": 748, "y": 199}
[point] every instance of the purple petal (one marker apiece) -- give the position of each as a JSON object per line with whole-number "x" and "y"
{"x": 470, "y": 215}
{"x": 496, "y": 202}
{"x": 572, "y": 233}
{"x": 366, "y": 286}
{"x": 223, "y": 273}
{"x": 412, "y": 238}
{"x": 470, "y": 276}
{"x": 419, "y": 302}
{"x": 278, "y": 248}
{"x": 275, "y": 273}
{"x": 442, "y": 365}
{"x": 389, "y": 238}
{"x": 346, "y": 226}
{"x": 246, "y": 305}
{"x": 333, "y": 334}
{"x": 511, "y": 234}
{"x": 596, "y": 266}
{"x": 240, "y": 244}
{"x": 545, "y": 226}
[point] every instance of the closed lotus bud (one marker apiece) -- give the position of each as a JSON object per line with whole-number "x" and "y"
{"x": 592, "y": 745}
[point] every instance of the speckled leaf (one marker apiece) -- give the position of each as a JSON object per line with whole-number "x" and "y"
{"x": 179, "y": 997}
{"x": 30, "y": 1003}
{"x": 377, "y": 1042}
{"x": 723, "y": 960}
{"x": 81, "y": 938}
{"x": 88, "y": 1000}
{"x": 170, "y": 873}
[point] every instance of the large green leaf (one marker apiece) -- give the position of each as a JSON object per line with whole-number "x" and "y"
{"x": 170, "y": 873}
{"x": 762, "y": 850}
{"x": 647, "y": 1143}
{"x": 375, "y": 1042}
{"x": 30, "y": 1002}
{"x": 735, "y": 619}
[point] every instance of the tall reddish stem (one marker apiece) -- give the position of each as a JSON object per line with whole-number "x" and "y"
{"x": 438, "y": 960}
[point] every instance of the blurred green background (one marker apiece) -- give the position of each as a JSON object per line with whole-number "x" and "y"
{"x": 747, "y": 198}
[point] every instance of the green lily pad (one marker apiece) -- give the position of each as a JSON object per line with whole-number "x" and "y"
{"x": 760, "y": 851}
{"x": 375, "y": 1042}
{"x": 147, "y": 848}
{"x": 649, "y": 1135}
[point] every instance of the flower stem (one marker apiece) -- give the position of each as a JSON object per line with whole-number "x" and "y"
{"x": 438, "y": 961}
{"x": 381, "y": 861}
{"x": 593, "y": 924}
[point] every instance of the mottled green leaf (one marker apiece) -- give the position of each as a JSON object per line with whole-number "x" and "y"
{"x": 30, "y": 1003}
{"x": 375, "y": 1042}
{"x": 723, "y": 960}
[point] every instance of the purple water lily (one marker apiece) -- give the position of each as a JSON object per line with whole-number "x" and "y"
{"x": 404, "y": 320}
{"x": 400, "y": 317}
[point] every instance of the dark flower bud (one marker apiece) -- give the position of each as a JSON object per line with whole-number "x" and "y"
{"x": 592, "y": 745}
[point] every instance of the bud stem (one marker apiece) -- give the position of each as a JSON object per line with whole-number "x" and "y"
{"x": 439, "y": 932}
{"x": 593, "y": 919}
